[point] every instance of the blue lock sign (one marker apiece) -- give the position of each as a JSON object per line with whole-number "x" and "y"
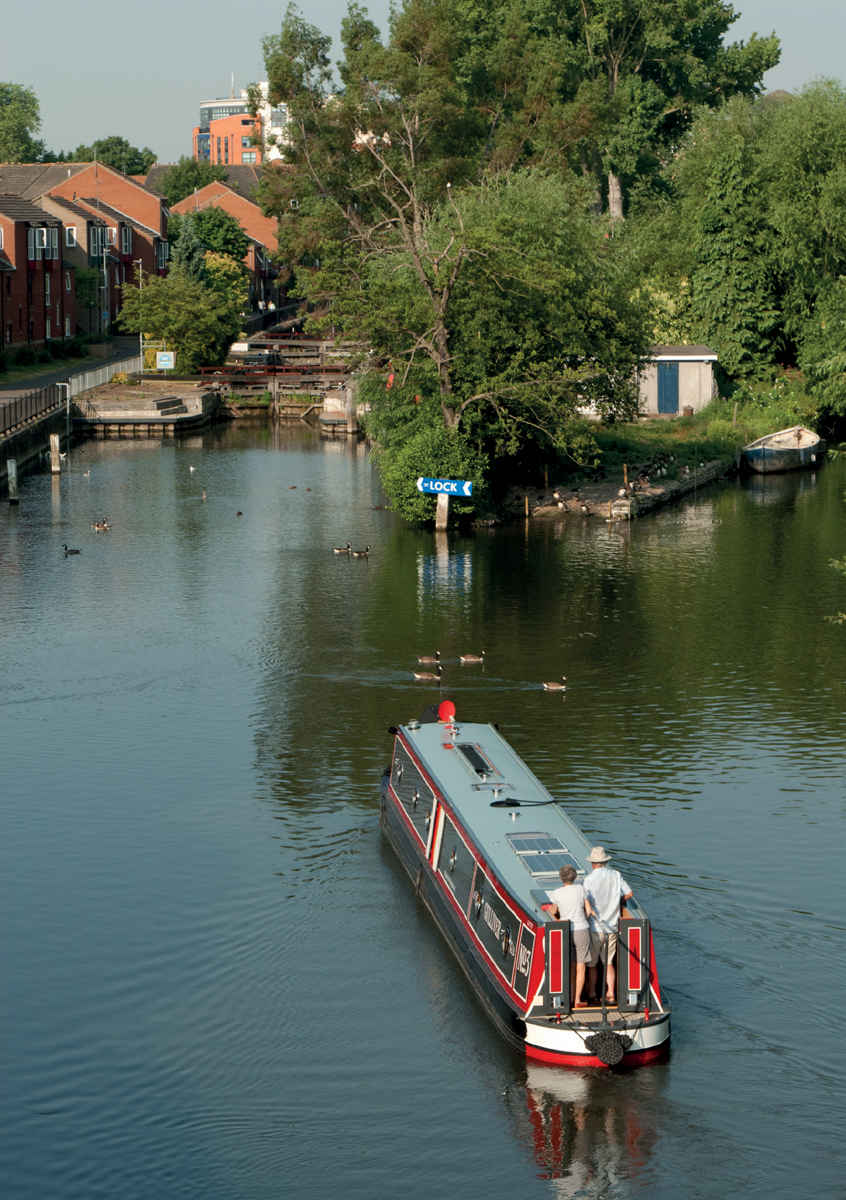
{"x": 445, "y": 487}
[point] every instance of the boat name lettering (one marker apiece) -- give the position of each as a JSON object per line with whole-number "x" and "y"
{"x": 524, "y": 958}
{"x": 491, "y": 920}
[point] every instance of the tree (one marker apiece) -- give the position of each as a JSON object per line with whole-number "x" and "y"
{"x": 187, "y": 176}
{"x": 187, "y": 251}
{"x": 187, "y": 316}
{"x": 213, "y": 228}
{"x": 647, "y": 64}
{"x": 732, "y": 286}
{"x": 20, "y": 120}
{"x": 118, "y": 153}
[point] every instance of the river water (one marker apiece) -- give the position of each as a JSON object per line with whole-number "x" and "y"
{"x": 216, "y": 980}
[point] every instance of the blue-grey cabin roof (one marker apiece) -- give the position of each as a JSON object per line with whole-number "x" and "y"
{"x": 511, "y": 838}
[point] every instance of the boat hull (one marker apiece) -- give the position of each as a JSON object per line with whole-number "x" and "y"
{"x": 770, "y": 455}
{"x": 554, "y": 1042}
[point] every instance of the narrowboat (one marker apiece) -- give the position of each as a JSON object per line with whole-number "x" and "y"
{"x": 784, "y": 450}
{"x": 483, "y": 842}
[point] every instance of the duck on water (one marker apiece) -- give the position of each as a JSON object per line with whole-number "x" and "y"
{"x": 484, "y": 842}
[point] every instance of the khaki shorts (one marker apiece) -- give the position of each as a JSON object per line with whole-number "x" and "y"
{"x": 612, "y": 945}
{"x": 587, "y": 946}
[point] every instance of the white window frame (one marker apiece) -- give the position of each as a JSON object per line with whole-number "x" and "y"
{"x": 49, "y": 328}
{"x": 47, "y": 300}
{"x": 126, "y": 239}
{"x": 70, "y": 236}
{"x": 111, "y": 234}
{"x": 67, "y": 327}
{"x": 67, "y": 281}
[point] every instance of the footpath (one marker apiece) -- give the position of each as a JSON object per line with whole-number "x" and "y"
{"x": 124, "y": 348}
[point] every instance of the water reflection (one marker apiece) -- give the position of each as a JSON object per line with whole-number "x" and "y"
{"x": 589, "y": 1131}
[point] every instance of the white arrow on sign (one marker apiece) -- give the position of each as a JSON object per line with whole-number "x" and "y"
{"x": 420, "y": 483}
{"x": 467, "y": 487}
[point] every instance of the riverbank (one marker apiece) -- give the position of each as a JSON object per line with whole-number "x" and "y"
{"x": 618, "y": 497}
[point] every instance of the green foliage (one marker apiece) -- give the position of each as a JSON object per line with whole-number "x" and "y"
{"x": 189, "y": 175}
{"x": 732, "y": 287}
{"x": 20, "y": 120}
{"x": 25, "y": 356}
{"x": 209, "y": 229}
{"x": 187, "y": 252}
{"x": 183, "y": 313}
{"x": 823, "y": 353}
{"x": 116, "y": 152}
{"x": 431, "y": 451}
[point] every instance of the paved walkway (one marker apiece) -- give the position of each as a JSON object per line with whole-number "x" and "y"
{"x": 69, "y": 368}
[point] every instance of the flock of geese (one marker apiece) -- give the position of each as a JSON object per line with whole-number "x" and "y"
{"x": 434, "y": 675}
{"x": 365, "y": 553}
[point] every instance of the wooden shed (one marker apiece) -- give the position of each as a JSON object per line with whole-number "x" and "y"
{"x": 676, "y": 381}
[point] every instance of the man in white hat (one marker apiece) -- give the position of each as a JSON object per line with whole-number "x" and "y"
{"x": 605, "y": 888}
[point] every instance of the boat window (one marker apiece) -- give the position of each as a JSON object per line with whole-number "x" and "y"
{"x": 479, "y": 764}
{"x": 456, "y": 863}
{"x": 412, "y": 790}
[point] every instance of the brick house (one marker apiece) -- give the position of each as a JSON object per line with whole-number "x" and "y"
{"x": 83, "y": 237}
{"x": 37, "y": 289}
{"x": 261, "y": 231}
{"x": 121, "y": 221}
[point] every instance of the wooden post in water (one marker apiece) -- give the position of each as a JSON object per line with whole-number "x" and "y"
{"x": 55, "y": 460}
{"x": 442, "y": 511}
{"x": 350, "y": 408}
{"x": 526, "y": 505}
{"x": 12, "y": 478}
{"x": 626, "y": 476}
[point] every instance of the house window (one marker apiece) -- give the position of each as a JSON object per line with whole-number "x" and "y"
{"x": 49, "y": 328}
{"x": 246, "y": 142}
{"x": 70, "y": 236}
{"x": 67, "y": 327}
{"x": 117, "y": 278}
{"x": 46, "y": 289}
{"x": 111, "y": 234}
{"x": 161, "y": 255}
{"x": 1, "y": 239}
{"x": 125, "y": 240}
{"x": 67, "y": 281}
{"x": 30, "y": 244}
{"x": 53, "y": 242}
{"x": 218, "y": 149}
{"x": 249, "y": 156}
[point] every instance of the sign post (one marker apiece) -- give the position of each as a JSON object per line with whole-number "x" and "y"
{"x": 443, "y": 489}
{"x": 165, "y": 360}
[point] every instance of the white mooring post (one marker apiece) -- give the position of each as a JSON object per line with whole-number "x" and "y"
{"x": 55, "y": 459}
{"x": 12, "y": 478}
{"x": 442, "y": 511}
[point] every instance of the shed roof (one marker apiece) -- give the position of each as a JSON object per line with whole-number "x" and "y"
{"x": 682, "y": 353}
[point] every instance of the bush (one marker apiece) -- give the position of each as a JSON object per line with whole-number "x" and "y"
{"x": 76, "y": 347}
{"x": 4, "y": 366}
{"x": 25, "y": 357}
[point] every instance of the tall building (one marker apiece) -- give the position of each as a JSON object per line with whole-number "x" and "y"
{"x": 229, "y": 134}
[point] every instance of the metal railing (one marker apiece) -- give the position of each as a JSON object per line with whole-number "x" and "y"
{"x": 17, "y": 411}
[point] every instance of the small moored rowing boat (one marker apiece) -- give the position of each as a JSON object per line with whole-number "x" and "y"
{"x": 784, "y": 450}
{"x": 484, "y": 841}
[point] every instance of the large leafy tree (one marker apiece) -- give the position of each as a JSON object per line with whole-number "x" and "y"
{"x": 187, "y": 176}
{"x": 394, "y": 223}
{"x": 118, "y": 153}
{"x": 20, "y": 121}
{"x": 647, "y": 65}
{"x": 213, "y": 228}
{"x": 186, "y": 315}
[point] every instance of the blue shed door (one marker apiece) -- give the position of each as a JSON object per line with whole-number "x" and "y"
{"x": 668, "y": 387}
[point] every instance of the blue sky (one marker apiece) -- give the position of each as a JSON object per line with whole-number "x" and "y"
{"x": 141, "y": 71}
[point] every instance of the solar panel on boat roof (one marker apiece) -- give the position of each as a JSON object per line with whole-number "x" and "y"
{"x": 535, "y": 843}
